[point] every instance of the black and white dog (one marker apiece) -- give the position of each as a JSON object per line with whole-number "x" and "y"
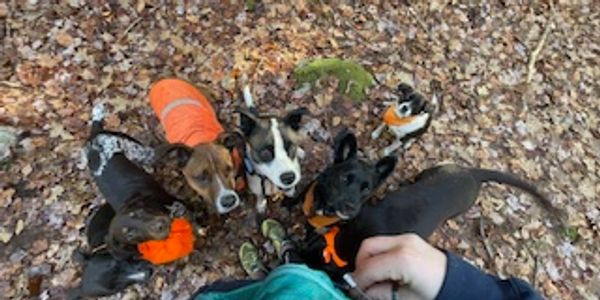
{"x": 272, "y": 152}
{"x": 408, "y": 118}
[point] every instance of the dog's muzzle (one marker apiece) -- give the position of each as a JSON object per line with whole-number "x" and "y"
{"x": 227, "y": 202}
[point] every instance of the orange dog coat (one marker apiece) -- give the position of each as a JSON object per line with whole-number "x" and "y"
{"x": 179, "y": 244}
{"x": 391, "y": 118}
{"x": 184, "y": 112}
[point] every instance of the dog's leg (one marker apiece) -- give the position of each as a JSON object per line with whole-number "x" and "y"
{"x": 378, "y": 131}
{"x": 392, "y": 148}
{"x": 408, "y": 143}
{"x": 300, "y": 153}
{"x": 261, "y": 204}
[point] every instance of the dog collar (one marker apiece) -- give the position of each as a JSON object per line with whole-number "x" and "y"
{"x": 318, "y": 222}
{"x": 391, "y": 118}
{"x": 240, "y": 181}
{"x": 329, "y": 252}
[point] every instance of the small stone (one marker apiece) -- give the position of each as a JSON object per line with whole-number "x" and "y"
{"x": 27, "y": 169}
{"x": 5, "y": 235}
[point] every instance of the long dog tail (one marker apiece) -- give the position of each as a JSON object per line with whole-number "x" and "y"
{"x": 485, "y": 175}
{"x": 248, "y": 97}
{"x": 98, "y": 113}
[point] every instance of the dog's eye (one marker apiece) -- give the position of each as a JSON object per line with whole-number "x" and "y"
{"x": 266, "y": 154}
{"x": 202, "y": 177}
{"x": 364, "y": 187}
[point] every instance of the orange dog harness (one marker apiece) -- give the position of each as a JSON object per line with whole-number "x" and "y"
{"x": 329, "y": 252}
{"x": 318, "y": 222}
{"x": 391, "y": 118}
{"x": 184, "y": 112}
{"x": 179, "y": 244}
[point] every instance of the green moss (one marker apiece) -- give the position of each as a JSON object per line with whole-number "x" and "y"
{"x": 570, "y": 233}
{"x": 251, "y": 5}
{"x": 354, "y": 80}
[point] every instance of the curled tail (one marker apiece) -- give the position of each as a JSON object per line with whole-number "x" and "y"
{"x": 98, "y": 113}
{"x": 248, "y": 97}
{"x": 485, "y": 175}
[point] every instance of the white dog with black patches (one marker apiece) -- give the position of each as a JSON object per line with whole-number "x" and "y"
{"x": 407, "y": 118}
{"x": 272, "y": 152}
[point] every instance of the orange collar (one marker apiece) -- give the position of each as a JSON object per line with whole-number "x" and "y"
{"x": 179, "y": 244}
{"x": 315, "y": 221}
{"x": 391, "y": 118}
{"x": 329, "y": 252}
{"x": 240, "y": 181}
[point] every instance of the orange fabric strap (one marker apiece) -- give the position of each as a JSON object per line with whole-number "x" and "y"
{"x": 391, "y": 118}
{"x": 329, "y": 252}
{"x": 317, "y": 222}
{"x": 178, "y": 244}
{"x": 240, "y": 180}
{"x": 185, "y": 113}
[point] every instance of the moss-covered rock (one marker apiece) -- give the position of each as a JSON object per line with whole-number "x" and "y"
{"x": 354, "y": 80}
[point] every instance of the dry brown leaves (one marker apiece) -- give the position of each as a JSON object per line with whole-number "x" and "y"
{"x": 57, "y": 60}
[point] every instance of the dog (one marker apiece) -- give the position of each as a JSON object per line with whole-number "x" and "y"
{"x": 103, "y": 275}
{"x": 208, "y": 156}
{"x": 143, "y": 210}
{"x": 438, "y": 194}
{"x": 272, "y": 153}
{"x": 407, "y": 119}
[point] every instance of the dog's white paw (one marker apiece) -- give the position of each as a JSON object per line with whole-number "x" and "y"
{"x": 261, "y": 205}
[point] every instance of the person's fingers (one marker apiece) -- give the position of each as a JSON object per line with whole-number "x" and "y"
{"x": 385, "y": 291}
{"x": 379, "y": 244}
{"x": 392, "y": 266}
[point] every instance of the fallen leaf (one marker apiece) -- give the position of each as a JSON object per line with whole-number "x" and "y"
{"x": 64, "y": 39}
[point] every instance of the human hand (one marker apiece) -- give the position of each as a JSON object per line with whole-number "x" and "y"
{"x": 405, "y": 262}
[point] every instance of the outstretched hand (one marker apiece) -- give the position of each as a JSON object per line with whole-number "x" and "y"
{"x": 400, "y": 267}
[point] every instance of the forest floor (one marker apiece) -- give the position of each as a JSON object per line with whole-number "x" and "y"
{"x": 506, "y": 105}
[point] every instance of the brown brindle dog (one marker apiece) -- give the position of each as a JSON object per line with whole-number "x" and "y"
{"x": 208, "y": 156}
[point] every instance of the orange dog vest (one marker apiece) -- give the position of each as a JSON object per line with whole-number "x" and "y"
{"x": 179, "y": 244}
{"x": 184, "y": 112}
{"x": 391, "y": 118}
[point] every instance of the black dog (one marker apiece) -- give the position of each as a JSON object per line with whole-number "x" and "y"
{"x": 437, "y": 194}
{"x": 103, "y": 275}
{"x": 142, "y": 207}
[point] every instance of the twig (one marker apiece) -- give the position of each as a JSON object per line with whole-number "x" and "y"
{"x": 536, "y": 52}
{"x": 15, "y": 85}
{"x": 488, "y": 248}
{"x": 419, "y": 20}
{"x": 135, "y": 23}
{"x": 535, "y": 265}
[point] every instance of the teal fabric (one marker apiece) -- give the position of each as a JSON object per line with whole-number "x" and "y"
{"x": 291, "y": 281}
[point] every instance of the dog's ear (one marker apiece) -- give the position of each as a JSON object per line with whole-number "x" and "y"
{"x": 231, "y": 140}
{"x": 119, "y": 250}
{"x": 384, "y": 168}
{"x": 183, "y": 153}
{"x": 293, "y": 118}
{"x": 345, "y": 146}
{"x": 248, "y": 121}
{"x": 97, "y": 225}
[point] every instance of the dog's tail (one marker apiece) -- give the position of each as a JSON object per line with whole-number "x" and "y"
{"x": 98, "y": 113}
{"x": 248, "y": 97}
{"x": 485, "y": 175}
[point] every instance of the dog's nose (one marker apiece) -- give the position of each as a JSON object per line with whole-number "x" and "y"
{"x": 288, "y": 178}
{"x": 228, "y": 201}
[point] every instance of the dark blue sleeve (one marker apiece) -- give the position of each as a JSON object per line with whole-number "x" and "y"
{"x": 464, "y": 281}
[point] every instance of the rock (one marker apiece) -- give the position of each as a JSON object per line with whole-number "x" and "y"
{"x": 39, "y": 246}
